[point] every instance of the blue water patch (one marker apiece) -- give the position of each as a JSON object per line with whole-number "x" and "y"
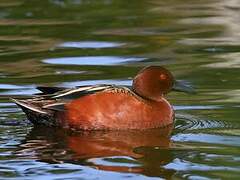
{"x": 207, "y": 138}
{"x": 10, "y": 86}
{"x": 93, "y": 60}
{"x": 123, "y": 161}
{"x": 90, "y": 44}
{"x": 20, "y": 92}
{"x": 183, "y": 165}
{"x": 93, "y": 82}
{"x": 196, "y": 107}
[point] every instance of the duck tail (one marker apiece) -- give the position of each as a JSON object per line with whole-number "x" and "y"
{"x": 28, "y": 106}
{"x": 34, "y": 113}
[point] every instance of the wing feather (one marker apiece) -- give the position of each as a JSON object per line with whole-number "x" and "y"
{"x": 55, "y": 106}
{"x": 56, "y": 101}
{"x": 80, "y": 91}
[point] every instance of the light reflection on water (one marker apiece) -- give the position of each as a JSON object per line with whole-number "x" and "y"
{"x": 107, "y": 42}
{"x": 94, "y": 60}
{"x": 213, "y": 139}
{"x": 107, "y": 81}
{"x": 90, "y": 44}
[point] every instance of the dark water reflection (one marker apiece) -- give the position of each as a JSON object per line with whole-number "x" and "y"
{"x": 101, "y": 150}
{"x": 77, "y": 42}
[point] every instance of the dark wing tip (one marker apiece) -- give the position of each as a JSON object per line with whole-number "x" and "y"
{"x": 50, "y": 90}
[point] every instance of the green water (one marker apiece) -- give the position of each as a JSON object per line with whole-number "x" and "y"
{"x": 76, "y": 42}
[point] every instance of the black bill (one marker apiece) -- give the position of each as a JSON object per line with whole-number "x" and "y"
{"x": 181, "y": 86}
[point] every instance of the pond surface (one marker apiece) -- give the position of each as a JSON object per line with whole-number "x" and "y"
{"x": 76, "y": 42}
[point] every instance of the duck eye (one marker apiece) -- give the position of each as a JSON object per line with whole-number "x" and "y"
{"x": 163, "y": 76}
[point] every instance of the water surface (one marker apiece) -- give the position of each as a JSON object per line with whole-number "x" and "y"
{"x": 76, "y": 42}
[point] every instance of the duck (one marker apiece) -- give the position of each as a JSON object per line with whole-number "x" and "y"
{"x": 141, "y": 106}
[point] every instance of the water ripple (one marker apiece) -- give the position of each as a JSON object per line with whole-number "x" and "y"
{"x": 10, "y": 86}
{"x": 20, "y": 92}
{"x": 93, "y": 60}
{"x": 183, "y": 165}
{"x": 90, "y": 44}
{"x": 191, "y": 122}
{"x": 208, "y": 138}
{"x": 91, "y": 82}
{"x": 196, "y": 107}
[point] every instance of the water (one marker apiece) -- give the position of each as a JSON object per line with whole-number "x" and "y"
{"x": 77, "y": 42}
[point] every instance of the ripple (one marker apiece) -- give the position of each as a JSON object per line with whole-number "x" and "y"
{"x": 191, "y": 122}
{"x": 20, "y": 92}
{"x": 8, "y": 110}
{"x": 10, "y": 86}
{"x": 215, "y": 42}
{"x": 93, "y": 60}
{"x": 182, "y": 165}
{"x": 6, "y": 104}
{"x": 115, "y": 161}
{"x": 208, "y": 138}
{"x": 12, "y": 89}
{"x": 70, "y": 171}
{"x": 142, "y": 31}
{"x": 28, "y": 22}
{"x": 229, "y": 60}
{"x": 2, "y": 75}
{"x": 90, "y": 44}
{"x": 70, "y": 72}
{"x": 91, "y": 82}
{"x": 196, "y": 107}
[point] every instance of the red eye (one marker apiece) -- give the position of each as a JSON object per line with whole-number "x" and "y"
{"x": 163, "y": 76}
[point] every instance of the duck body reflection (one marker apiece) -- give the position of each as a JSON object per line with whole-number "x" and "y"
{"x": 120, "y": 151}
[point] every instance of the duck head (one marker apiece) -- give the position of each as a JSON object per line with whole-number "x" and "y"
{"x": 153, "y": 82}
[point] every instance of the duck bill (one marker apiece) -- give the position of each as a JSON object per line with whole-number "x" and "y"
{"x": 180, "y": 86}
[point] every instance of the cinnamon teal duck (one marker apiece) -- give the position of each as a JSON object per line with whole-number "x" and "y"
{"x": 107, "y": 107}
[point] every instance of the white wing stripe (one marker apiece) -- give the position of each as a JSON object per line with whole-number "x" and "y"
{"x": 54, "y": 104}
{"x": 29, "y": 106}
{"x": 73, "y": 91}
{"x": 82, "y": 89}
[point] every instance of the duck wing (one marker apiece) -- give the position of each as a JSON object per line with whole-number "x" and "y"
{"x": 41, "y": 109}
{"x": 62, "y": 97}
{"x": 74, "y": 93}
{"x": 56, "y": 101}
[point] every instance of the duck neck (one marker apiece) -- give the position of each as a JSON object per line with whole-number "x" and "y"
{"x": 150, "y": 98}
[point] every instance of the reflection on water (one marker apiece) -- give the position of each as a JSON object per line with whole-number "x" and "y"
{"x": 90, "y": 44}
{"x": 93, "y": 60}
{"x": 107, "y": 42}
{"x": 102, "y": 150}
{"x": 107, "y": 81}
